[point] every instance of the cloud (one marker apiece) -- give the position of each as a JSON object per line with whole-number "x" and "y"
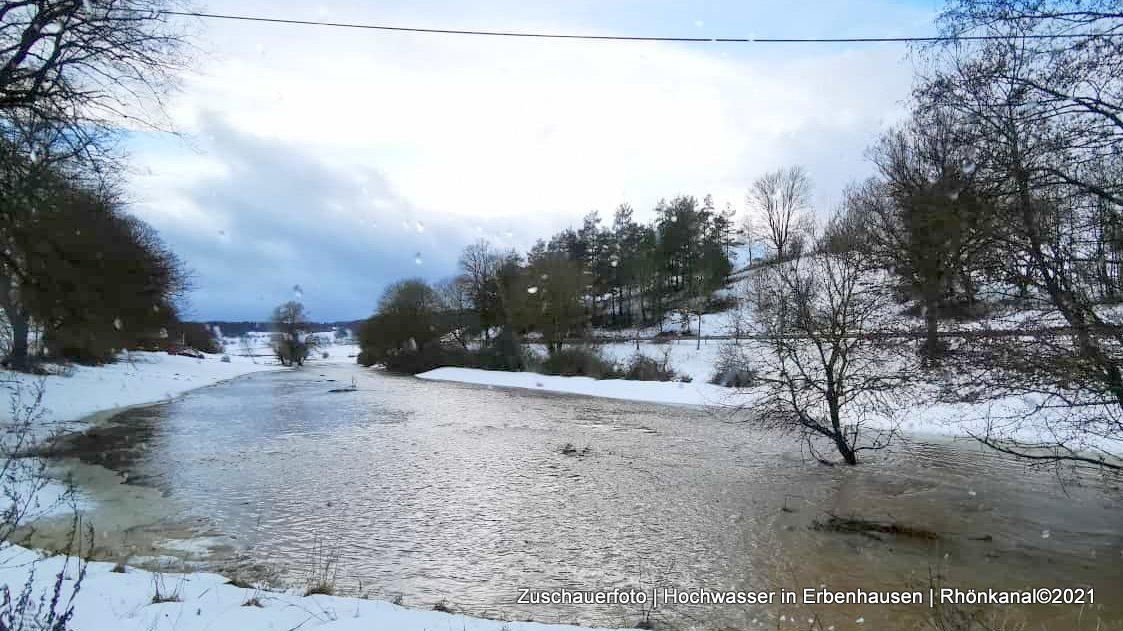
{"x": 273, "y": 219}
{"x": 318, "y": 143}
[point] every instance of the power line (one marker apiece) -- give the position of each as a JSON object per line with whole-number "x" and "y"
{"x": 630, "y": 38}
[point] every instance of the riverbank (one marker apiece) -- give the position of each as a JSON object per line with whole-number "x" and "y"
{"x": 922, "y": 415}
{"x": 74, "y": 400}
{"x": 667, "y": 392}
{"x": 113, "y": 600}
{"x": 72, "y": 395}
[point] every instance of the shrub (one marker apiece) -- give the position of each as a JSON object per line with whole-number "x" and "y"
{"x": 414, "y": 360}
{"x": 505, "y": 352}
{"x": 732, "y": 369}
{"x": 196, "y": 335}
{"x": 643, "y": 368}
{"x": 579, "y": 362}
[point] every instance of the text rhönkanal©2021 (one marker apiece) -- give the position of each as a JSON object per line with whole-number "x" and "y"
{"x": 808, "y": 596}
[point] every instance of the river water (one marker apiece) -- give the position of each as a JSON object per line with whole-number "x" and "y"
{"x": 463, "y": 494}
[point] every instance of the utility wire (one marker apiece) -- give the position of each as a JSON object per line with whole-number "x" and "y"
{"x": 632, "y": 38}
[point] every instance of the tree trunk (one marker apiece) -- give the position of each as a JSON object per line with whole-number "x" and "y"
{"x": 18, "y": 321}
{"x": 848, "y": 455}
{"x": 931, "y": 329}
{"x": 17, "y": 359}
{"x": 845, "y": 449}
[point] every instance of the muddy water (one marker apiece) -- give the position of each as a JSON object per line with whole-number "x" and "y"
{"x": 463, "y": 494}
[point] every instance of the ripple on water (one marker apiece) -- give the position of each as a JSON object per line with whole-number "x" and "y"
{"x": 447, "y": 492}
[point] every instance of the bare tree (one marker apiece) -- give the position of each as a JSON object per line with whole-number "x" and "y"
{"x": 293, "y": 341}
{"x": 827, "y": 370}
{"x": 923, "y": 218}
{"x": 480, "y": 264}
{"x": 780, "y": 211}
{"x": 24, "y": 487}
{"x": 454, "y": 300}
{"x": 87, "y": 68}
{"x": 1042, "y": 102}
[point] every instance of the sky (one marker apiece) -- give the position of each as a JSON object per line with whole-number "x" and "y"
{"x": 323, "y": 164}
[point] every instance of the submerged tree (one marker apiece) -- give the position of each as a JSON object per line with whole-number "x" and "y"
{"x": 293, "y": 341}
{"x": 826, "y": 369}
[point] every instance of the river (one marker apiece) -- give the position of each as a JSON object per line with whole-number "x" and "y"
{"x": 439, "y": 492}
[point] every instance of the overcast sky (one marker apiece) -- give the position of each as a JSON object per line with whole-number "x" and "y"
{"x": 337, "y": 160}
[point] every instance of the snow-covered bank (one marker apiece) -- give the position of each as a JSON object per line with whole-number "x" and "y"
{"x": 923, "y": 417}
{"x": 138, "y": 378}
{"x": 673, "y": 392}
{"x": 123, "y": 601}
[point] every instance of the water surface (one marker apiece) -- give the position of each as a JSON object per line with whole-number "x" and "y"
{"x": 447, "y": 492}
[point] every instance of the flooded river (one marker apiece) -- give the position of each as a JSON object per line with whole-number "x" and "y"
{"x": 465, "y": 494}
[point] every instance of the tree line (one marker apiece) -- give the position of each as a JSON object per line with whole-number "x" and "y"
{"x": 619, "y": 274}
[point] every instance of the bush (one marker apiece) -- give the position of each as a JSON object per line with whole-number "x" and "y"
{"x": 579, "y": 362}
{"x": 504, "y": 353}
{"x": 412, "y": 361}
{"x": 643, "y": 368}
{"x": 732, "y": 369}
{"x": 196, "y": 335}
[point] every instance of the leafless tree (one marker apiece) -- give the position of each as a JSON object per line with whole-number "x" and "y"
{"x": 827, "y": 371}
{"x": 780, "y": 211}
{"x": 1043, "y": 105}
{"x": 87, "y": 68}
{"x": 481, "y": 264}
{"x": 24, "y": 487}
{"x": 455, "y": 304}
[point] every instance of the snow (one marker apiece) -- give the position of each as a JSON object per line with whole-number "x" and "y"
{"x": 112, "y": 601}
{"x": 137, "y": 378}
{"x": 672, "y": 392}
{"x": 140, "y": 378}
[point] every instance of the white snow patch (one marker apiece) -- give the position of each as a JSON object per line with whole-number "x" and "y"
{"x": 109, "y": 601}
{"x": 673, "y": 392}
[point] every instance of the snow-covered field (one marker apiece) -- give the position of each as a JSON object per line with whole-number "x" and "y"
{"x": 115, "y": 601}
